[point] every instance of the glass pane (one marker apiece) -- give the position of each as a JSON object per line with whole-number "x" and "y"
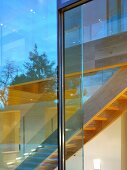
{"x": 95, "y": 85}
{"x": 73, "y": 89}
{"x": 28, "y": 96}
{"x": 104, "y": 107}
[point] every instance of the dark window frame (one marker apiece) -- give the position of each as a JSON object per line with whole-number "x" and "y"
{"x": 69, "y": 2}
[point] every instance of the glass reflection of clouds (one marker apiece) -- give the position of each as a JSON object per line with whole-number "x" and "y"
{"x": 63, "y": 1}
{"x": 24, "y": 24}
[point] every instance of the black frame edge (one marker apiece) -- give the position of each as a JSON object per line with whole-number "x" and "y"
{"x": 61, "y": 108}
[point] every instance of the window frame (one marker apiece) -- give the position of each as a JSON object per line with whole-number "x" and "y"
{"x": 69, "y": 2}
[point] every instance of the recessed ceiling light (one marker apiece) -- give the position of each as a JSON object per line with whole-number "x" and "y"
{"x": 19, "y": 158}
{"x": 71, "y": 94}
{"x": 33, "y": 150}
{"x": 31, "y": 10}
{"x": 67, "y": 130}
{"x": 97, "y": 164}
{"x": 10, "y": 163}
{"x": 99, "y": 20}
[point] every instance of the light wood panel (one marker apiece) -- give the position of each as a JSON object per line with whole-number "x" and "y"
{"x": 26, "y": 93}
{"x": 10, "y": 128}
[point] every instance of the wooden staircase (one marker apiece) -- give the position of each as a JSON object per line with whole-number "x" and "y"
{"x": 102, "y": 109}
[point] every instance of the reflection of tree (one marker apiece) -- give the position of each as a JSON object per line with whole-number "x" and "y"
{"x": 7, "y": 75}
{"x": 38, "y": 67}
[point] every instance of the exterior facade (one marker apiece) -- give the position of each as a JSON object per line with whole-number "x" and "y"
{"x": 63, "y": 85}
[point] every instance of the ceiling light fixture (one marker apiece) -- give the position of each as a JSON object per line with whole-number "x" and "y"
{"x": 97, "y": 164}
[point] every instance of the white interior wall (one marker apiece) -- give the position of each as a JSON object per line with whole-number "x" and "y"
{"x": 106, "y": 146}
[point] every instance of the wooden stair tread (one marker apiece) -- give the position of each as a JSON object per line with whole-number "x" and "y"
{"x": 78, "y": 137}
{"x": 89, "y": 128}
{"x": 70, "y": 145}
{"x": 123, "y": 96}
{"x": 51, "y": 161}
{"x": 115, "y": 108}
{"x": 100, "y": 118}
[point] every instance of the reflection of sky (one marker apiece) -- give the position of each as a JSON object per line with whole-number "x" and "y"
{"x": 25, "y": 23}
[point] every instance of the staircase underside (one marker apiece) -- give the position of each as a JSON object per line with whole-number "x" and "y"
{"x": 98, "y": 112}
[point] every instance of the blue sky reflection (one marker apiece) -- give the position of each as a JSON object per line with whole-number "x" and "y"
{"x": 24, "y": 23}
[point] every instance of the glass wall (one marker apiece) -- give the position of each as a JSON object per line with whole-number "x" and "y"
{"x": 73, "y": 89}
{"x": 95, "y": 85}
{"x": 28, "y": 100}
